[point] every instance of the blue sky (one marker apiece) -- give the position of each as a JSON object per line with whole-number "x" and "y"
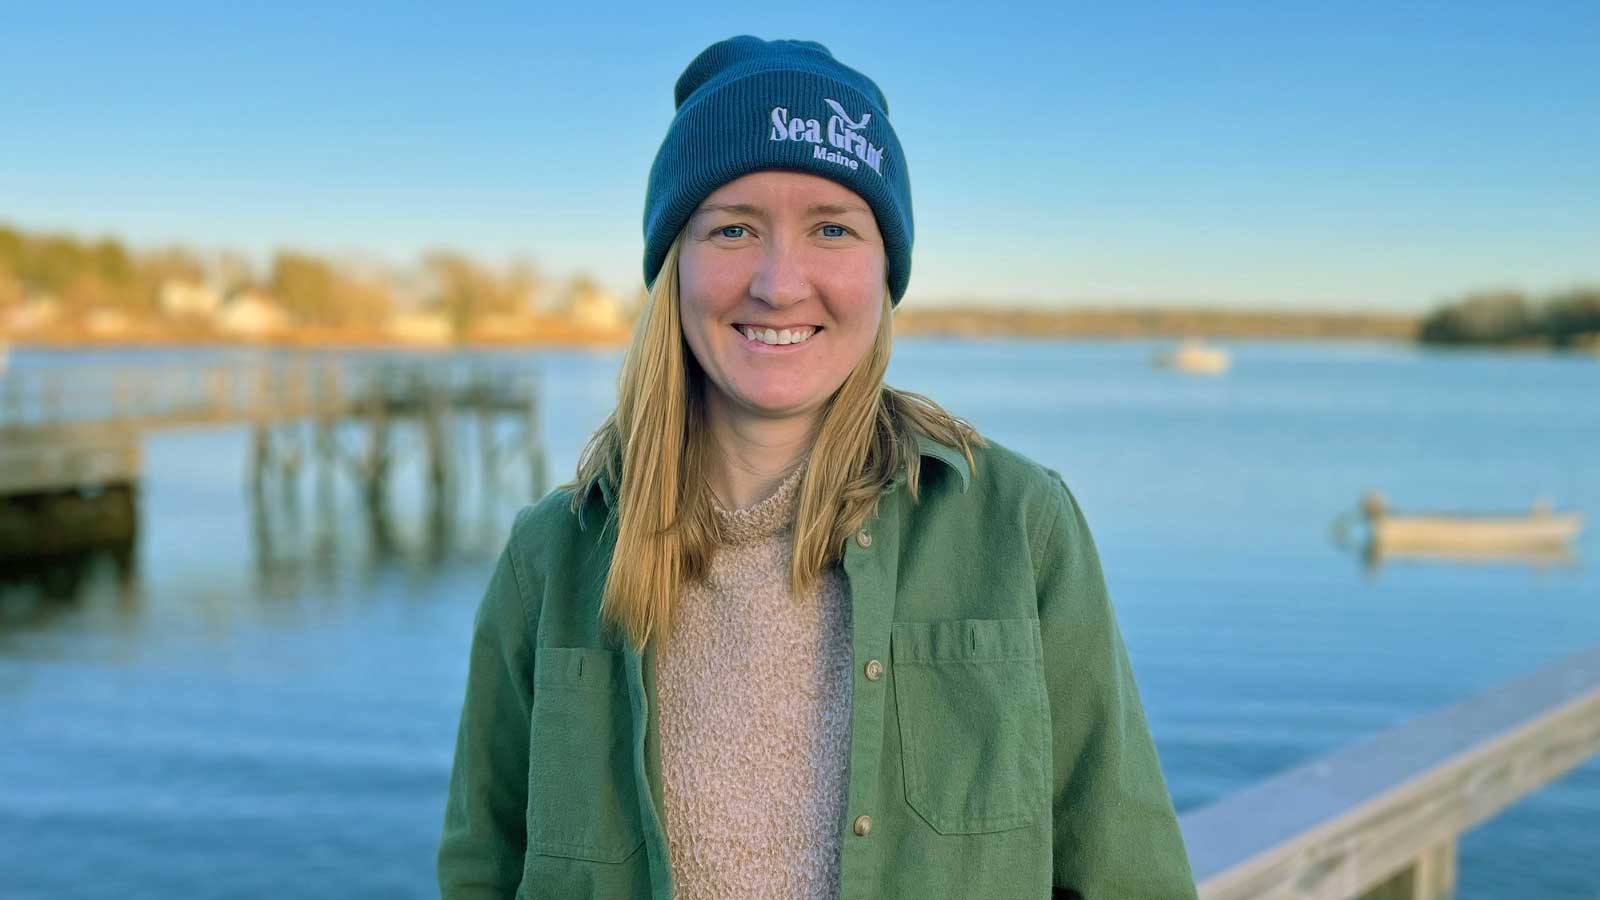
{"x": 1349, "y": 155}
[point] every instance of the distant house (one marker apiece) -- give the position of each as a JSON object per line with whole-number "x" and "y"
{"x": 432, "y": 328}
{"x": 38, "y": 311}
{"x": 252, "y": 315}
{"x": 502, "y": 326}
{"x": 180, "y": 297}
{"x": 103, "y": 321}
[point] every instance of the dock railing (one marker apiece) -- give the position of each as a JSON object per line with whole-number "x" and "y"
{"x": 152, "y": 396}
{"x": 1380, "y": 818}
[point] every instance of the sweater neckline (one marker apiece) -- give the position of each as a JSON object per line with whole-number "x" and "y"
{"x": 764, "y": 518}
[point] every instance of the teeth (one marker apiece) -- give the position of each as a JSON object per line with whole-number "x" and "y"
{"x": 777, "y": 338}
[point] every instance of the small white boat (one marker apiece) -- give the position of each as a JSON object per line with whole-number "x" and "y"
{"x": 1193, "y": 356}
{"x": 1541, "y": 529}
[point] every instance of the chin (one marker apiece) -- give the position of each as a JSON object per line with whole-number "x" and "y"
{"x": 780, "y": 410}
{"x": 778, "y": 406}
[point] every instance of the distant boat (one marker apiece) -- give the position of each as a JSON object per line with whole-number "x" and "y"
{"x": 1539, "y": 531}
{"x": 1193, "y": 356}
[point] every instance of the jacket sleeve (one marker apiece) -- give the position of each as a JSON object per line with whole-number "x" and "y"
{"x": 481, "y": 850}
{"x": 1116, "y": 836}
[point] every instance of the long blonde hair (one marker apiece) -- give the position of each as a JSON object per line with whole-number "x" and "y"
{"x": 654, "y": 449}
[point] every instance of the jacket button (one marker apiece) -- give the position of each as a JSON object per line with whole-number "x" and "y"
{"x": 874, "y": 670}
{"x": 864, "y": 538}
{"x": 863, "y": 825}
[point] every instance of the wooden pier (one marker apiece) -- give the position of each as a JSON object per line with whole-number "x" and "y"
{"x": 70, "y": 437}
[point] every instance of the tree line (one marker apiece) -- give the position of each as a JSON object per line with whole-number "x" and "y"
{"x": 82, "y": 275}
{"x": 1563, "y": 319}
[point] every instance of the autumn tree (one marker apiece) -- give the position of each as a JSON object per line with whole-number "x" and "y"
{"x": 316, "y": 292}
{"x": 10, "y": 285}
{"x": 465, "y": 291}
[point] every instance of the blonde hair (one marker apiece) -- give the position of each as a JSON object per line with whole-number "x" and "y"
{"x": 655, "y": 449}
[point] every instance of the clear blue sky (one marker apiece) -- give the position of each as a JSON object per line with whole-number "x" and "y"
{"x": 1351, "y": 155}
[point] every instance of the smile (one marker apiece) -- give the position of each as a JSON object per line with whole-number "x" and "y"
{"x": 776, "y": 337}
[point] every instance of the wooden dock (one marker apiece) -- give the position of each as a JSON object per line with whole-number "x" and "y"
{"x": 70, "y": 437}
{"x": 67, "y": 456}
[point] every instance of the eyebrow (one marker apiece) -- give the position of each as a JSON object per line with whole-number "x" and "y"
{"x": 815, "y": 209}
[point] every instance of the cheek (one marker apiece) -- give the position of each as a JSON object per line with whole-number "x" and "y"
{"x": 712, "y": 286}
{"x": 862, "y": 282}
{"x": 702, "y": 299}
{"x": 862, "y": 306}
{"x": 864, "y": 328}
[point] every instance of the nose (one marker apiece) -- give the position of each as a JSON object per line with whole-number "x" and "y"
{"x": 781, "y": 280}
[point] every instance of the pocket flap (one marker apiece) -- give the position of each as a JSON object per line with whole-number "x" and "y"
{"x": 969, "y": 639}
{"x": 587, "y": 668}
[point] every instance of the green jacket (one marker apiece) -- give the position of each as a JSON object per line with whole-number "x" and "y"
{"x": 998, "y": 746}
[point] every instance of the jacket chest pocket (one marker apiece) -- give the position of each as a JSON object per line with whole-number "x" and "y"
{"x": 974, "y": 735}
{"x": 582, "y": 802}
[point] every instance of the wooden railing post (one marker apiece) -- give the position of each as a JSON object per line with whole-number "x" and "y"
{"x": 1432, "y": 876}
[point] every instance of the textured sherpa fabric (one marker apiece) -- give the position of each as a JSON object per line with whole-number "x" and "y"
{"x": 745, "y": 105}
{"x": 754, "y": 692}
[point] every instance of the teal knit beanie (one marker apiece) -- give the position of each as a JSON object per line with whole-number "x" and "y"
{"x": 745, "y": 105}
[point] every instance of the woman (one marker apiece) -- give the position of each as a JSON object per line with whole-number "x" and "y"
{"x": 791, "y": 632}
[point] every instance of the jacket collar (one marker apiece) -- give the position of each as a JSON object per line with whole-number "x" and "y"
{"x": 950, "y": 456}
{"x": 927, "y": 447}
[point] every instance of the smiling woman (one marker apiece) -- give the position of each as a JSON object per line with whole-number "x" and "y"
{"x": 791, "y": 631}
{"x": 782, "y": 292}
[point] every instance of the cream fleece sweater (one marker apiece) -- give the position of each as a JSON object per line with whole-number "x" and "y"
{"x": 754, "y": 695}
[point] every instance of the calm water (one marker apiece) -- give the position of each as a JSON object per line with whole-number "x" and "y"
{"x": 224, "y": 717}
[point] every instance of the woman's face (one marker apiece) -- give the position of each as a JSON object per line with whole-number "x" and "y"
{"x": 775, "y": 252}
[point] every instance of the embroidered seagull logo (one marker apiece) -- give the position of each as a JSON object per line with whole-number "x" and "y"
{"x": 853, "y": 126}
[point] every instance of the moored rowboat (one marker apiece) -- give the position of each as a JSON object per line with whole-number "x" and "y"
{"x": 1193, "y": 356}
{"x": 1541, "y": 528}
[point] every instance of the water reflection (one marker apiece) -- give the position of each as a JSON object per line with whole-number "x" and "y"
{"x": 308, "y": 528}
{"x": 36, "y": 592}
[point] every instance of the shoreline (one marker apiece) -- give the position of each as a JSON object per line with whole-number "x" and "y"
{"x": 967, "y": 323}
{"x": 953, "y": 321}
{"x": 106, "y": 343}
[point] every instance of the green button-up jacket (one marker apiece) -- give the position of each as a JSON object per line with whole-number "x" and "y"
{"x": 998, "y": 745}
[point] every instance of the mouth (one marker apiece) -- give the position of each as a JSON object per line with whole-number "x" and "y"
{"x": 762, "y": 338}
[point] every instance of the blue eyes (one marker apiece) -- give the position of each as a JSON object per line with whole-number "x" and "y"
{"x": 837, "y": 231}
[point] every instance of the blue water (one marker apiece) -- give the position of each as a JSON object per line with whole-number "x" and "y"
{"x": 217, "y": 718}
